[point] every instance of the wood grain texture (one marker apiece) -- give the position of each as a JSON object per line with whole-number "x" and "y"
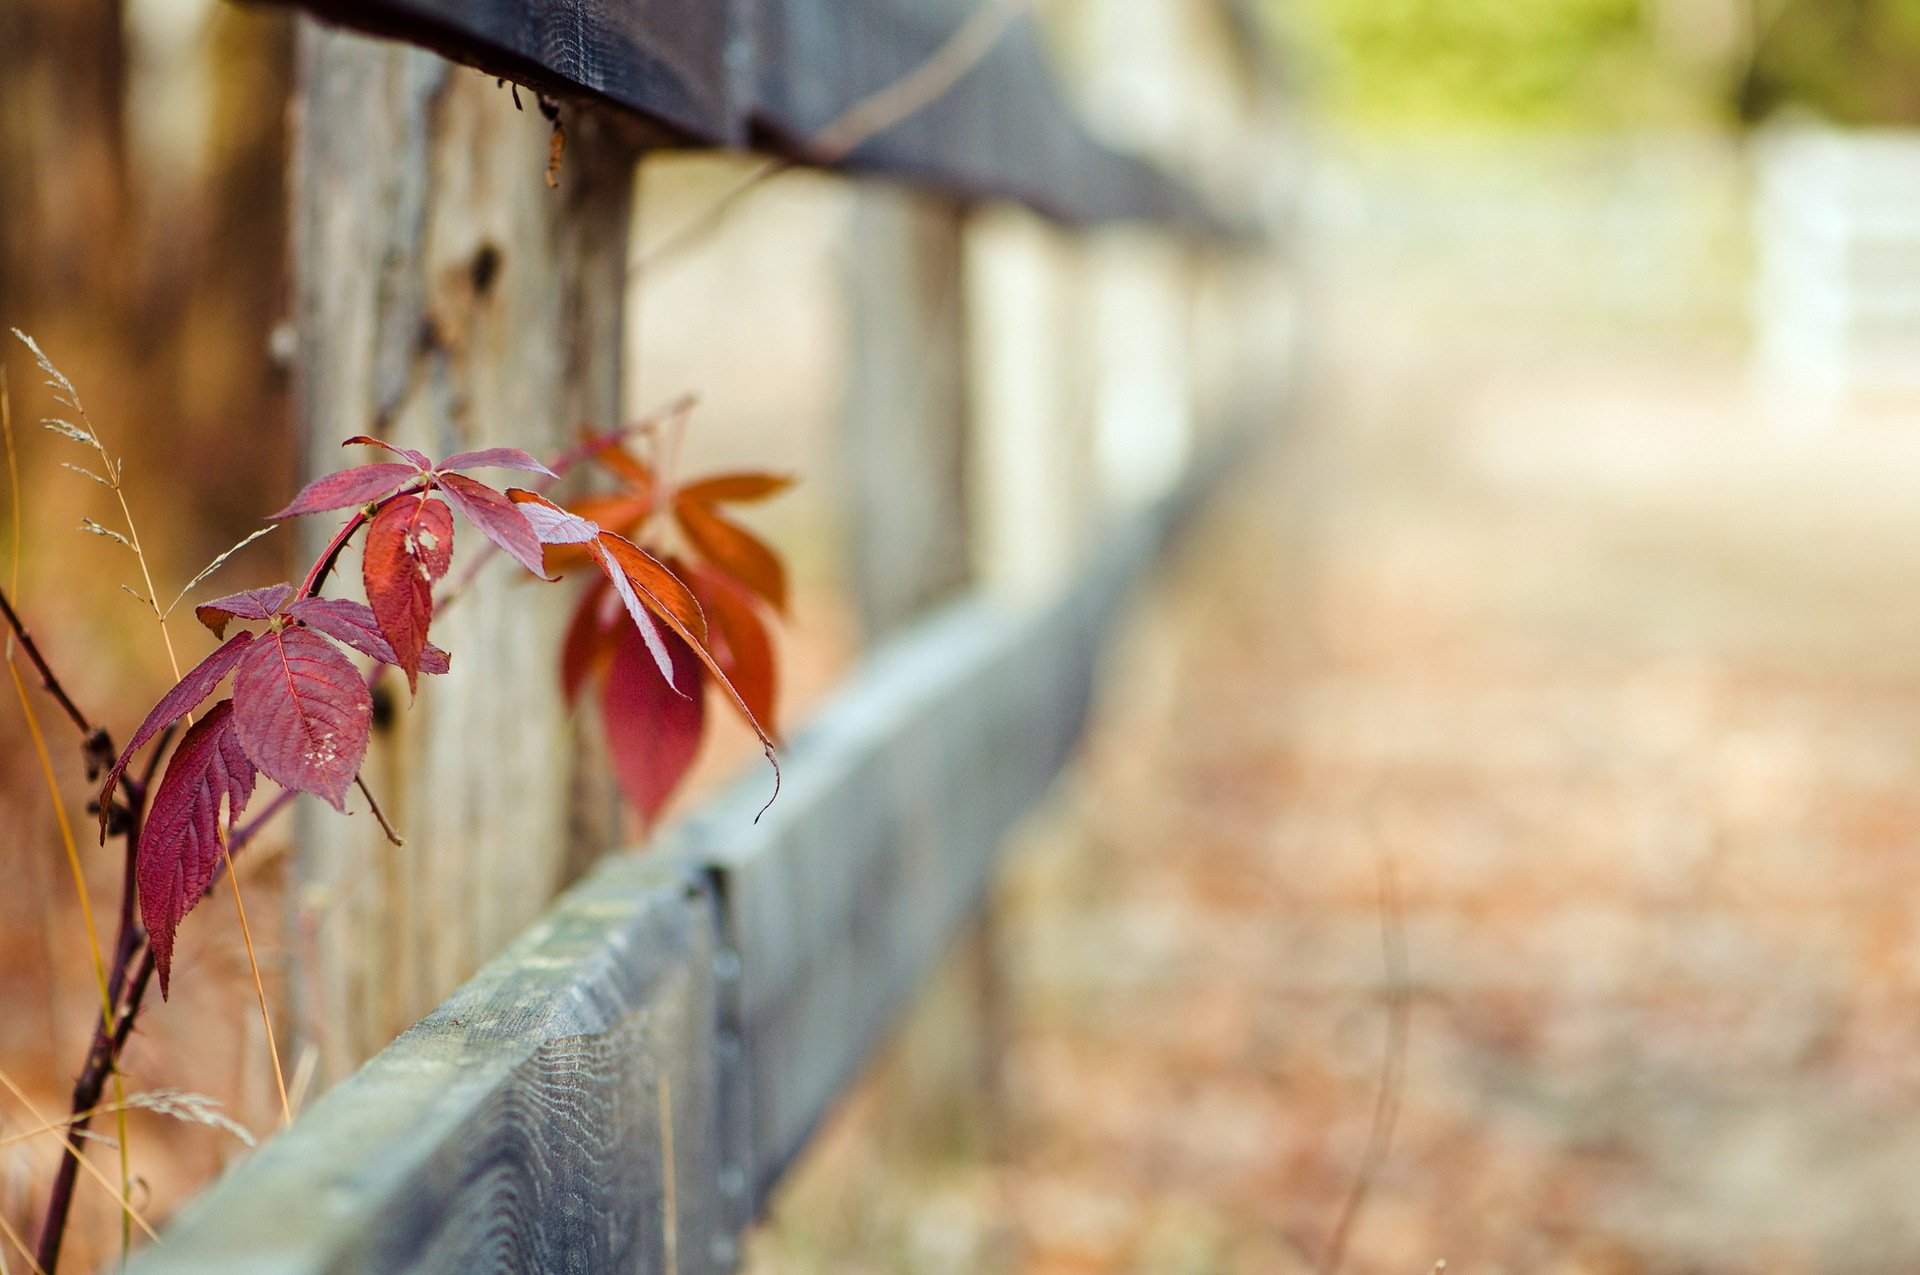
{"x": 519, "y": 1127}
{"x": 446, "y": 299}
{"x": 777, "y": 72}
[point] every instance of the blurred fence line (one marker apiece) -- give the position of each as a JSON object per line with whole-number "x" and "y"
{"x": 1836, "y": 295}
{"x": 1801, "y": 243}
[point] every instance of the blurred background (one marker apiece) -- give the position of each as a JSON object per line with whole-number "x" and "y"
{"x": 1497, "y": 841}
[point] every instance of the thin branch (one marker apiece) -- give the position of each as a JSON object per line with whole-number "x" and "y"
{"x": 866, "y": 119}
{"x": 39, "y": 662}
{"x": 323, "y": 565}
{"x": 1386, "y": 1104}
{"x": 259, "y": 988}
{"x": 214, "y": 566}
{"x": 381, "y": 815}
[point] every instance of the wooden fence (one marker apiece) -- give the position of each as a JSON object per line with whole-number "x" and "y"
{"x": 1836, "y": 299}
{"x": 621, "y": 1088}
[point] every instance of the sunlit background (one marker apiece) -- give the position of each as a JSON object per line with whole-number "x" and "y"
{"x": 1499, "y": 840}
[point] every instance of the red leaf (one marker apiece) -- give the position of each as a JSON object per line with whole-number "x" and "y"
{"x": 353, "y": 623}
{"x": 735, "y": 487}
{"x": 418, "y": 459}
{"x": 209, "y": 779}
{"x": 409, "y": 546}
{"x": 359, "y": 486}
{"x": 589, "y": 638}
{"x": 497, "y": 518}
{"x": 175, "y": 704}
{"x": 496, "y": 458}
{"x": 303, "y": 712}
{"x": 727, "y": 545}
{"x": 653, "y": 731}
{"x": 655, "y": 589}
{"x": 254, "y": 604}
{"x": 661, "y": 591}
{"x": 739, "y": 641}
{"x": 631, "y": 470}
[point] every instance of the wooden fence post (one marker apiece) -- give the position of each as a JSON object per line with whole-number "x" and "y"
{"x": 446, "y": 299}
{"x": 907, "y": 431}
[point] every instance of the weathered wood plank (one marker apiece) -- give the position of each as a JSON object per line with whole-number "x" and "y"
{"x": 778, "y": 72}
{"x": 447, "y": 300}
{"x": 518, "y": 1128}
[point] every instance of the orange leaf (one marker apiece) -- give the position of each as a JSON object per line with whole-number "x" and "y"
{"x": 731, "y": 548}
{"x": 735, "y": 487}
{"x": 739, "y": 641}
{"x": 662, "y": 591}
{"x": 621, "y": 513}
{"x": 631, "y": 470}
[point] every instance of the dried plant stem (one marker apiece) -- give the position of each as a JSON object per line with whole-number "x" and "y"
{"x": 75, "y": 1157}
{"x": 259, "y": 988}
{"x": 866, "y": 119}
{"x": 13, "y": 1238}
{"x": 103, "y": 1057}
{"x": 386, "y": 826}
{"x": 1386, "y": 1103}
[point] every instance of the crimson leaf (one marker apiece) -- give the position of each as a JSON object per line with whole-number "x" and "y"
{"x": 349, "y": 487}
{"x": 653, "y": 731}
{"x": 417, "y": 459}
{"x": 409, "y": 546}
{"x": 496, "y": 458}
{"x": 589, "y": 636}
{"x": 497, "y": 518}
{"x": 303, "y": 712}
{"x": 254, "y": 604}
{"x": 353, "y": 623}
{"x": 209, "y": 779}
{"x": 175, "y": 704}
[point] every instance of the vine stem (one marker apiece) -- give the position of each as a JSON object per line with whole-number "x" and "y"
{"x": 47, "y": 679}
{"x": 324, "y": 564}
{"x": 134, "y": 973}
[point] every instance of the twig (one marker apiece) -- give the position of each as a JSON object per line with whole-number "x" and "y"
{"x": 866, "y": 119}
{"x": 1386, "y": 1103}
{"x": 47, "y": 680}
{"x": 323, "y": 565}
{"x": 259, "y": 989}
{"x": 386, "y": 827}
{"x": 13, "y": 1238}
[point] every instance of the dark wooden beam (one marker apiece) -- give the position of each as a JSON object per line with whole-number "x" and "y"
{"x": 774, "y": 73}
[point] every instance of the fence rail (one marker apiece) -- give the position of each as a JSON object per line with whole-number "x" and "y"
{"x": 776, "y": 73}
{"x": 622, "y": 1088}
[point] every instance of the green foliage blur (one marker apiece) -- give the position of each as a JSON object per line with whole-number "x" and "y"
{"x": 1414, "y": 64}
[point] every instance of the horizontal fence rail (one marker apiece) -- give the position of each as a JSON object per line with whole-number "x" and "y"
{"x": 622, "y": 1088}
{"x": 774, "y": 74}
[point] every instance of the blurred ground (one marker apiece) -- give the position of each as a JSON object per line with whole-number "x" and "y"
{"x": 1622, "y": 688}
